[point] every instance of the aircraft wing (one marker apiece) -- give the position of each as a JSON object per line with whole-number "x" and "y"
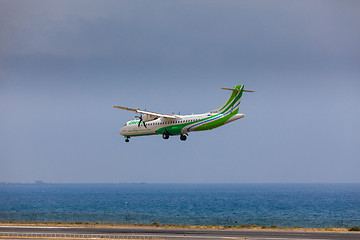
{"x": 146, "y": 112}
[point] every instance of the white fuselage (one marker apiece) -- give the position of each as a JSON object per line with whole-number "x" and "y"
{"x": 185, "y": 124}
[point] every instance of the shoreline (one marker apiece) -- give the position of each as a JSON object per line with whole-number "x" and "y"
{"x": 164, "y": 226}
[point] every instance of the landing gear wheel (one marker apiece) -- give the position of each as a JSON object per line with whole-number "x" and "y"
{"x": 166, "y": 135}
{"x": 127, "y": 140}
{"x": 183, "y": 137}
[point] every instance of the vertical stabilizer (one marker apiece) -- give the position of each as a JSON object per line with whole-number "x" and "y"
{"x": 233, "y": 102}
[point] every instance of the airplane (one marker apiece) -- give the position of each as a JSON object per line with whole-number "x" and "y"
{"x": 151, "y": 123}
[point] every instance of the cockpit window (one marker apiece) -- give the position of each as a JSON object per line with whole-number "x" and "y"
{"x": 125, "y": 124}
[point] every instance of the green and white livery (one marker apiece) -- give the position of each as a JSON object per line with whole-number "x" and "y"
{"x": 151, "y": 123}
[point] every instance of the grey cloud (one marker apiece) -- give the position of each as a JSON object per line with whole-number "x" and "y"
{"x": 64, "y": 64}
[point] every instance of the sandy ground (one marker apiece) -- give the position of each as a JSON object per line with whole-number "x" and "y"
{"x": 57, "y": 238}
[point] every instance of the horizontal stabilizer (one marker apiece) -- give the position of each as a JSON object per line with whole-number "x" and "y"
{"x": 233, "y": 89}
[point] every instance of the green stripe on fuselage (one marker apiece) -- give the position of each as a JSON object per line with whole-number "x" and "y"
{"x": 217, "y": 123}
{"x": 176, "y": 129}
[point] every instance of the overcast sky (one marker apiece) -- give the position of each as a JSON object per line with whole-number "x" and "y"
{"x": 64, "y": 64}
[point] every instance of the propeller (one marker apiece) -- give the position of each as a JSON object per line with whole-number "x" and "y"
{"x": 140, "y": 120}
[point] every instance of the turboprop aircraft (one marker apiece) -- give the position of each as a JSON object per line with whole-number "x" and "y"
{"x": 151, "y": 123}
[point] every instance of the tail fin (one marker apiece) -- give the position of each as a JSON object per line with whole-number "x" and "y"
{"x": 232, "y": 104}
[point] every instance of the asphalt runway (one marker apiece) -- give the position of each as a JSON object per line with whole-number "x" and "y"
{"x": 193, "y": 234}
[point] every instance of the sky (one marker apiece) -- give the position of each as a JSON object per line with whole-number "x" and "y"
{"x": 64, "y": 64}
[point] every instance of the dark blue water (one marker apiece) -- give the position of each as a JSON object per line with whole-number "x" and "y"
{"x": 257, "y": 200}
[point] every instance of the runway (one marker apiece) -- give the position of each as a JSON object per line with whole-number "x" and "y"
{"x": 193, "y": 234}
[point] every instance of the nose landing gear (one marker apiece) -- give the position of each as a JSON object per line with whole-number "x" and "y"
{"x": 127, "y": 139}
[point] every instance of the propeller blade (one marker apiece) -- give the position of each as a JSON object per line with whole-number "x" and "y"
{"x": 140, "y": 120}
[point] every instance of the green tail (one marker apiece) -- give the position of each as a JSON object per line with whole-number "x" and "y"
{"x": 232, "y": 104}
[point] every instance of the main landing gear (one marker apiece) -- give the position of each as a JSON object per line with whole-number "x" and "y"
{"x": 183, "y": 137}
{"x": 166, "y": 135}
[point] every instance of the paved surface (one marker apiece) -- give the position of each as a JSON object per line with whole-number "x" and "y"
{"x": 188, "y": 233}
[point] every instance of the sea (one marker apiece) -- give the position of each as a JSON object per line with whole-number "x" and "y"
{"x": 315, "y": 201}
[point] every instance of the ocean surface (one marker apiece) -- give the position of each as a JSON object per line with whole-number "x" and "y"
{"x": 322, "y": 201}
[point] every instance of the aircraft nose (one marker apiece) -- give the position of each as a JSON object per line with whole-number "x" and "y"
{"x": 122, "y": 131}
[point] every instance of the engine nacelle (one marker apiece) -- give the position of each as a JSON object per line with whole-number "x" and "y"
{"x": 147, "y": 117}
